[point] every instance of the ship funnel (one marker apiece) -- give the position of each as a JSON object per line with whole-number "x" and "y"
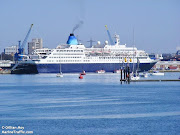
{"x": 72, "y": 40}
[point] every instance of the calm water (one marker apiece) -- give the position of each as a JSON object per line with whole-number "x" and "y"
{"x": 95, "y": 105}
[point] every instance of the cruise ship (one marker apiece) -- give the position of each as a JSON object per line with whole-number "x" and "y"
{"x": 74, "y": 57}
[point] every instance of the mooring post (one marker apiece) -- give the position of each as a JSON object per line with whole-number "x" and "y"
{"x": 128, "y": 74}
{"x": 124, "y": 73}
{"x": 121, "y": 75}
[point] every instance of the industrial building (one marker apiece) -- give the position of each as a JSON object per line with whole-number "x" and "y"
{"x": 172, "y": 63}
{"x": 167, "y": 65}
{"x": 11, "y": 50}
{"x": 36, "y": 43}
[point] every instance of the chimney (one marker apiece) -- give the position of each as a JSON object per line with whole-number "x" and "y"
{"x": 72, "y": 40}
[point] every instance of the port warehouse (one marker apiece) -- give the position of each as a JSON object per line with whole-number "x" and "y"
{"x": 167, "y": 65}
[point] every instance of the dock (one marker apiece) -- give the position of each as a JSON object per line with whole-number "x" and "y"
{"x": 157, "y": 80}
{"x": 5, "y": 71}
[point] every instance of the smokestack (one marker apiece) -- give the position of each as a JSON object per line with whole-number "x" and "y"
{"x": 72, "y": 40}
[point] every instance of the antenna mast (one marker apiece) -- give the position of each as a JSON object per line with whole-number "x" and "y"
{"x": 91, "y": 42}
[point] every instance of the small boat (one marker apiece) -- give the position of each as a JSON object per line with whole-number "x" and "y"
{"x": 134, "y": 76}
{"x": 100, "y": 71}
{"x": 59, "y": 75}
{"x": 83, "y": 73}
{"x": 157, "y": 73}
{"x": 117, "y": 71}
{"x": 144, "y": 74}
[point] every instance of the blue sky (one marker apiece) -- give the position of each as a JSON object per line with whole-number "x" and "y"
{"x": 156, "y": 22}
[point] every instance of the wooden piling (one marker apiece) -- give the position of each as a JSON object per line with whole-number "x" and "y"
{"x": 128, "y": 74}
{"x": 121, "y": 75}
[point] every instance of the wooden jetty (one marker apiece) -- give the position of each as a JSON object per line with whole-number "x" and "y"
{"x": 157, "y": 80}
{"x": 126, "y": 77}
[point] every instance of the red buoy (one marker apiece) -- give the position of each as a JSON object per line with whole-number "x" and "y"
{"x": 80, "y": 77}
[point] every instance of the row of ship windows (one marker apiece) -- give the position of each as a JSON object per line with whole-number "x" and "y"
{"x": 120, "y": 57}
{"x": 64, "y": 57}
{"x": 69, "y": 50}
{"x": 64, "y": 61}
{"x": 88, "y": 57}
{"x": 117, "y": 50}
{"x": 95, "y": 57}
{"x": 110, "y": 57}
{"x": 72, "y": 60}
{"x": 67, "y": 54}
{"x": 42, "y": 51}
{"x": 78, "y": 60}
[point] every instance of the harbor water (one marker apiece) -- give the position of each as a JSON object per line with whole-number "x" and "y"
{"x": 98, "y": 104}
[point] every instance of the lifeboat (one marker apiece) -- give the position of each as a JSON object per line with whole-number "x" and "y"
{"x": 106, "y": 52}
{"x": 92, "y": 52}
{"x": 98, "y": 52}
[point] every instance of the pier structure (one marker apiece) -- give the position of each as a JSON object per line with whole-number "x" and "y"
{"x": 157, "y": 80}
{"x": 126, "y": 73}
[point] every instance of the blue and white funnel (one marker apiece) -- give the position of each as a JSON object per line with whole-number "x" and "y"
{"x": 72, "y": 40}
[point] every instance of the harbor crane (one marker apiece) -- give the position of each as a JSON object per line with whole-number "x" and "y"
{"x": 109, "y": 35}
{"x": 19, "y": 54}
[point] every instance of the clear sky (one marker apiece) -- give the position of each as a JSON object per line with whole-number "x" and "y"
{"x": 156, "y": 22}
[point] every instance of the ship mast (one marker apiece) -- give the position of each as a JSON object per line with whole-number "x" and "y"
{"x": 133, "y": 50}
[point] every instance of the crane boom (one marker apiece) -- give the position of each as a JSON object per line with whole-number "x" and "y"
{"x": 18, "y": 55}
{"x": 25, "y": 40}
{"x": 109, "y": 35}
